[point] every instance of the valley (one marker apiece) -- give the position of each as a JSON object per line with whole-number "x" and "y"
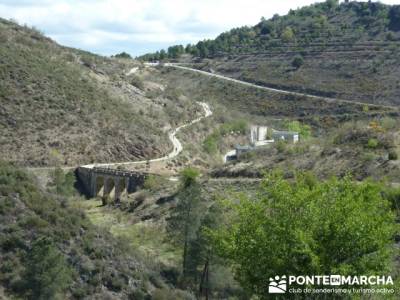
{"x": 205, "y": 171}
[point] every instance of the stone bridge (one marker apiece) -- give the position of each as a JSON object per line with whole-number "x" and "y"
{"x": 109, "y": 183}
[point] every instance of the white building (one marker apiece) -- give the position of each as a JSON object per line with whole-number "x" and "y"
{"x": 258, "y": 133}
{"x": 287, "y": 136}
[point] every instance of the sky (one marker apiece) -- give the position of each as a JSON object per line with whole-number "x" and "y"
{"x": 108, "y": 27}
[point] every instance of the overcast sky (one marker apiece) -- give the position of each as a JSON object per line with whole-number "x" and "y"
{"x": 139, "y": 26}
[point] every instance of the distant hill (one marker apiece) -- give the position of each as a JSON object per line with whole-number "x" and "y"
{"x": 62, "y": 106}
{"x": 348, "y": 50}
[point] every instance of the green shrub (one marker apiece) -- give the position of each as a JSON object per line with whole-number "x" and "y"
{"x": 303, "y": 129}
{"x": 297, "y": 61}
{"x": 210, "y": 144}
{"x": 280, "y": 146}
{"x": 153, "y": 182}
{"x": 62, "y": 183}
{"x": 287, "y": 34}
{"x": 373, "y": 143}
{"x": 239, "y": 126}
{"x": 388, "y": 123}
{"x": 189, "y": 176}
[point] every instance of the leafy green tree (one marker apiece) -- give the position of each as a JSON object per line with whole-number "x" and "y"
{"x": 303, "y": 129}
{"x": 287, "y": 35}
{"x": 307, "y": 227}
{"x": 47, "y": 273}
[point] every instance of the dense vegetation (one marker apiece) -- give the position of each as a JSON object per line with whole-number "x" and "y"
{"x": 321, "y": 22}
{"x": 212, "y": 141}
{"x": 50, "y": 250}
{"x": 307, "y": 227}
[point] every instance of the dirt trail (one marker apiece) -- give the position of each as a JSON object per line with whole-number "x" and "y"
{"x": 177, "y": 146}
{"x": 326, "y": 99}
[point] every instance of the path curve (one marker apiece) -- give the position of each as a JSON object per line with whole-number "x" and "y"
{"x": 177, "y": 145}
{"x": 326, "y": 99}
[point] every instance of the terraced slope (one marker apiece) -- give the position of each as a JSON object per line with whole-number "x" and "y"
{"x": 348, "y": 50}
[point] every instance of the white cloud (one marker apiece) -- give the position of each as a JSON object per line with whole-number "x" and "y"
{"x": 138, "y": 26}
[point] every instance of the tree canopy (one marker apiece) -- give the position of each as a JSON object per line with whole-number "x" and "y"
{"x": 307, "y": 227}
{"x": 315, "y": 23}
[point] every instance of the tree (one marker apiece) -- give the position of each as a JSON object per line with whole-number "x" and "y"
{"x": 307, "y": 227}
{"x": 63, "y": 183}
{"x": 163, "y": 54}
{"x": 203, "y": 50}
{"x": 201, "y": 253}
{"x": 47, "y": 273}
{"x": 188, "y": 48}
{"x": 185, "y": 221}
{"x": 331, "y": 4}
{"x": 394, "y": 18}
{"x": 303, "y": 129}
{"x": 175, "y": 51}
{"x": 123, "y": 55}
{"x": 287, "y": 34}
{"x": 297, "y": 61}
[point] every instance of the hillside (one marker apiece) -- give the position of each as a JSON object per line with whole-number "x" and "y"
{"x": 316, "y": 49}
{"x": 51, "y": 250}
{"x": 62, "y": 106}
{"x": 316, "y": 192}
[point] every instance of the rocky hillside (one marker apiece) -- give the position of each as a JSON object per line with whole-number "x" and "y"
{"x": 317, "y": 49}
{"x": 62, "y": 106}
{"x": 50, "y": 250}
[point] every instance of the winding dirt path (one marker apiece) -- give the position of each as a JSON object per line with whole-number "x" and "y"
{"x": 172, "y": 137}
{"x": 326, "y": 99}
{"x": 177, "y": 146}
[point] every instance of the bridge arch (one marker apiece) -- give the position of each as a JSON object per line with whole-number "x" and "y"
{"x": 109, "y": 187}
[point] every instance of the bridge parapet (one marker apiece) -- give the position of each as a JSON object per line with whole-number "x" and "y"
{"x": 116, "y": 172}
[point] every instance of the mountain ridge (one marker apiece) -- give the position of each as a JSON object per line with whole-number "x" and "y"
{"x": 316, "y": 49}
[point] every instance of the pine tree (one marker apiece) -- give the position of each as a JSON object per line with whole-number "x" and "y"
{"x": 185, "y": 221}
{"x": 47, "y": 273}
